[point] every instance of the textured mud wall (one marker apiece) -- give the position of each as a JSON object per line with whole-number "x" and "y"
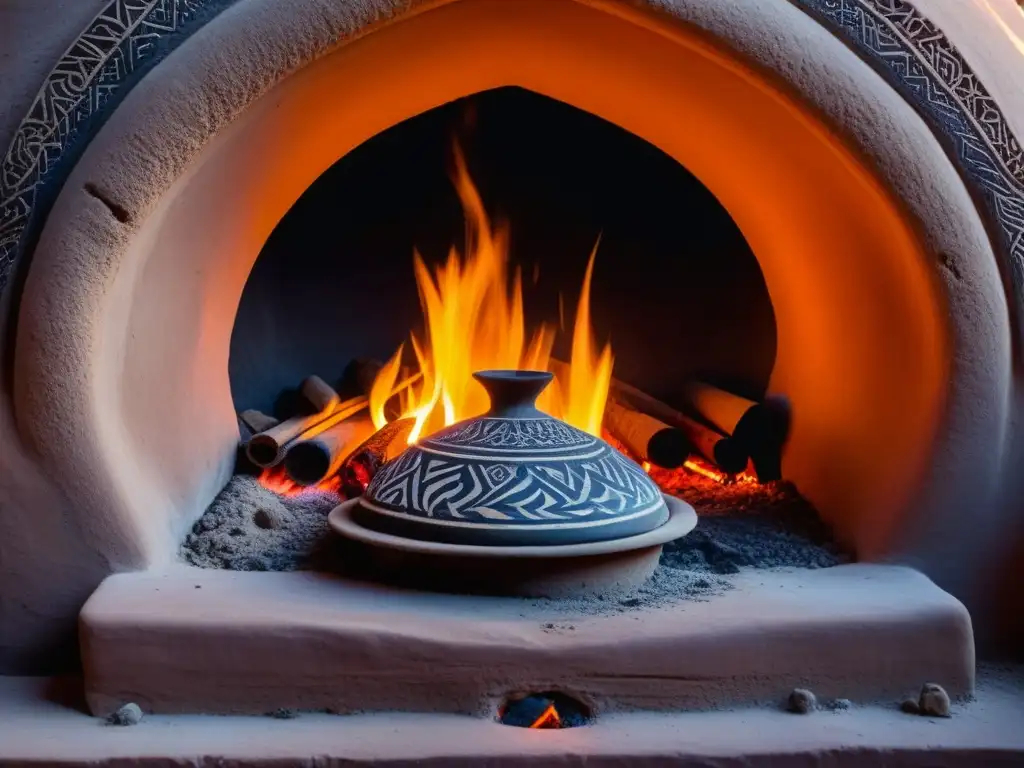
{"x": 46, "y": 571}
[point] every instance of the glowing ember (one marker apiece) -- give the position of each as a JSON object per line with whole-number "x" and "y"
{"x": 475, "y": 321}
{"x": 701, "y": 467}
{"x": 275, "y": 479}
{"x": 548, "y": 719}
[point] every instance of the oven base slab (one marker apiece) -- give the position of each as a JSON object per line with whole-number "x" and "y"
{"x": 191, "y": 641}
{"x": 36, "y": 730}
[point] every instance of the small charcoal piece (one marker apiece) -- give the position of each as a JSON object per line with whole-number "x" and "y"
{"x": 839, "y": 705}
{"x": 648, "y": 438}
{"x": 544, "y": 710}
{"x": 269, "y": 448}
{"x": 283, "y": 714}
{"x": 802, "y": 701}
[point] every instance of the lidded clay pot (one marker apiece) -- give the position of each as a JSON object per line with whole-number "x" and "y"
{"x": 512, "y": 477}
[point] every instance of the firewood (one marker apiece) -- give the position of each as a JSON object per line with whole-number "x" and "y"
{"x": 647, "y": 438}
{"x": 268, "y": 448}
{"x": 311, "y": 460}
{"x": 320, "y": 394}
{"x": 706, "y": 442}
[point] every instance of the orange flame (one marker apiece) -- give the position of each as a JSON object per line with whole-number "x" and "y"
{"x": 475, "y": 321}
{"x": 548, "y": 718}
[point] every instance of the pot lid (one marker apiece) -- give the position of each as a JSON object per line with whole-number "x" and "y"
{"x": 514, "y": 476}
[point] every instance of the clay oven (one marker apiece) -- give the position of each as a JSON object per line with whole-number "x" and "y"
{"x": 885, "y": 211}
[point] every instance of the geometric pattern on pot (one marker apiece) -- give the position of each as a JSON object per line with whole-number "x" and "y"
{"x": 525, "y": 471}
{"x": 891, "y": 35}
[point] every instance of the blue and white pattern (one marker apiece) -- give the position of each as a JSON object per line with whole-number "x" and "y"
{"x": 496, "y": 435}
{"x": 525, "y": 471}
{"x": 892, "y": 35}
{"x": 123, "y": 36}
{"x": 921, "y": 62}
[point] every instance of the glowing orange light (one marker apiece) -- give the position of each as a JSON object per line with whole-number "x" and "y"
{"x": 646, "y": 466}
{"x": 275, "y": 479}
{"x": 701, "y": 467}
{"x": 548, "y": 718}
{"x": 475, "y": 321}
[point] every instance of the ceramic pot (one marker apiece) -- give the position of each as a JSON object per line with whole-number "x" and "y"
{"x": 512, "y": 477}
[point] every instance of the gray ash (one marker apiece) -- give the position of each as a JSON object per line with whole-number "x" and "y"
{"x": 744, "y": 525}
{"x": 250, "y": 528}
{"x": 767, "y": 526}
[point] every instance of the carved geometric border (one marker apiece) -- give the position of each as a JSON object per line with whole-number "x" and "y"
{"x": 121, "y": 39}
{"x": 921, "y": 63}
{"x": 892, "y": 35}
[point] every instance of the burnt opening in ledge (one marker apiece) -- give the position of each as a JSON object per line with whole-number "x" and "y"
{"x": 544, "y": 711}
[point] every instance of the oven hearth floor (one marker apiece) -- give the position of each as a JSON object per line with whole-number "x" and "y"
{"x": 197, "y": 641}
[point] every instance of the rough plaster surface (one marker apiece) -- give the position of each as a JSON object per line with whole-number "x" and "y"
{"x": 37, "y": 728}
{"x": 217, "y": 642}
{"x": 96, "y": 535}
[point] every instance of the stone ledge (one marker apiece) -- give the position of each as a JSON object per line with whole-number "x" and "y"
{"x": 219, "y": 642}
{"x": 34, "y": 730}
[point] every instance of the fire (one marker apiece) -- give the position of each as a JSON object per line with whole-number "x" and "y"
{"x": 475, "y": 321}
{"x": 548, "y": 718}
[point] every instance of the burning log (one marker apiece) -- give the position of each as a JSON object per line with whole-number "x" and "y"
{"x": 715, "y": 448}
{"x": 759, "y": 429}
{"x": 320, "y": 394}
{"x": 646, "y": 437}
{"x": 364, "y": 462}
{"x": 268, "y": 448}
{"x": 313, "y": 458}
{"x": 718, "y": 449}
{"x": 319, "y": 443}
{"x": 706, "y": 442}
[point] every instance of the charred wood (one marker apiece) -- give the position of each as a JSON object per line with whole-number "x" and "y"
{"x": 648, "y": 438}
{"x": 761, "y": 430}
{"x": 268, "y": 448}
{"x": 314, "y": 458}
